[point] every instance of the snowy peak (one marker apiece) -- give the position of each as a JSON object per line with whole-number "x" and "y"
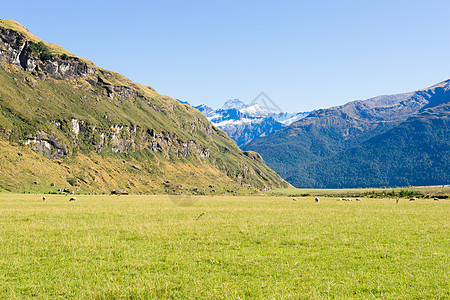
{"x": 288, "y": 118}
{"x": 204, "y": 109}
{"x": 243, "y": 123}
{"x": 233, "y": 103}
{"x": 255, "y": 111}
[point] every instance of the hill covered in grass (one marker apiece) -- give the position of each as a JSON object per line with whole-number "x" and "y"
{"x": 66, "y": 123}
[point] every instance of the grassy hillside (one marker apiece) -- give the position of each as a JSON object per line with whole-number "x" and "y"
{"x": 65, "y": 121}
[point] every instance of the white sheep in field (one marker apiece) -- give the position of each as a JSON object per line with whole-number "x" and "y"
{"x": 294, "y": 199}
{"x": 73, "y": 199}
{"x": 412, "y": 199}
{"x": 43, "y": 198}
{"x": 358, "y": 199}
{"x": 436, "y": 199}
{"x": 339, "y": 199}
{"x": 317, "y": 200}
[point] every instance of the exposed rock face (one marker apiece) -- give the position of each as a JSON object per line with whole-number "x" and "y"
{"x": 119, "y": 138}
{"x": 165, "y": 143}
{"x": 11, "y": 48}
{"x": 47, "y": 144}
{"x": 15, "y": 50}
{"x": 58, "y": 68}
{"x": 76, "y": 126}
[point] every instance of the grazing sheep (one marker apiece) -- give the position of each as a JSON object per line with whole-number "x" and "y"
{"x": 358, "y": 199}
{"x": 436, "y": 199}
{"x": 43, "y": 198}
{"x": 339, "y": 199}
{"x": 316, "y": 200}
{"x": 295, "y": 199}
{"x": 73, "y": 199}
{"x": 412, "y": 199}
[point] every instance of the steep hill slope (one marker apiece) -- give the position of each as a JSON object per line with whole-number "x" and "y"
{"x": 300, "y": 151}
{"x": 417, "y": 152}
{"x": 64, "y": 122}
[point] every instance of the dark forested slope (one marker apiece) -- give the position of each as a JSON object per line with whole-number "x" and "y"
{"x": 353, "y": 145}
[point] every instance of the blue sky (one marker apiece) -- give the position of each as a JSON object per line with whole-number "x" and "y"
{"x": 303, "y": 54}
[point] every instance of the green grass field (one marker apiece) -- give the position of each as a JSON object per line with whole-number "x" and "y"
{"x": 141, "y": 247}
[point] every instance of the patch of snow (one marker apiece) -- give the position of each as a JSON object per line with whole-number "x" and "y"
{"x": 233, "y": 103}
{"x": 240, "y": 122}
{"x": 254, "y": 111}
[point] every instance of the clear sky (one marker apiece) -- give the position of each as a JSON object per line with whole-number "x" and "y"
{"x": 303, "y": 54}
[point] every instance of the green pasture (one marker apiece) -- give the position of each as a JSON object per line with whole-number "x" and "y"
{"x": 222, "y": 247}
{"x": 442, "y": 192}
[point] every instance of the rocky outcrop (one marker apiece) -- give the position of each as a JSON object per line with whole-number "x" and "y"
{"x": 47, "y": 144}
{"x": 166, "y": 144}
{"x": 119, "y": 138}
{"x": 61, "y": 69}
{"x": 12, "y": 45}
{"x": 16, "y": 50}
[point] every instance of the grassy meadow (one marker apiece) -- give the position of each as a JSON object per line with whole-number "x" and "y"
{"x": 222, "y": 247}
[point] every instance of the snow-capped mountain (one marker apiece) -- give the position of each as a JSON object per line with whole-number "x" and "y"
{"x": 233, "y": 103}
{"x": 243, "y": 123}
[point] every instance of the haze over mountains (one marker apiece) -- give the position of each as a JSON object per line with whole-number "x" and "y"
{"x": 395, "y": 140}
{"x": 245, "y": 122}
{"x": 66, "y": 123}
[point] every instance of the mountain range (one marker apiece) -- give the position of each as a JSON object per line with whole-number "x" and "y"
{"x": 246, "y": 122}
{"x": 66, "y": 124}
{"x": 395, "y": 140}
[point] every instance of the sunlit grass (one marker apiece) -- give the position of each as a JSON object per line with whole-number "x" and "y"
{"x": 241, "y": 247}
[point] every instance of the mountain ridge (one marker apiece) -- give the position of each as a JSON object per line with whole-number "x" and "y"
{"x": 243, "y": 123}
{"x": 298, "y": 150}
